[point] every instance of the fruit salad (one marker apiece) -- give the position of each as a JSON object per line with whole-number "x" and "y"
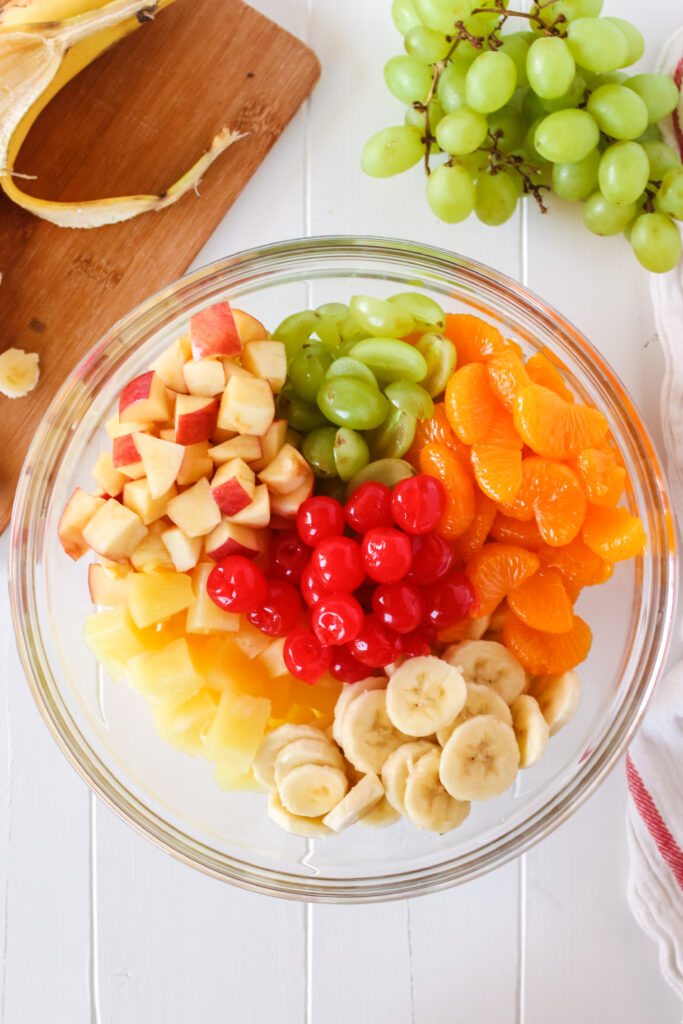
{"x": 340, "y": 561}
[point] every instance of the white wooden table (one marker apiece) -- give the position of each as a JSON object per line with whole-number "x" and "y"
{"x": 97, "y": 925}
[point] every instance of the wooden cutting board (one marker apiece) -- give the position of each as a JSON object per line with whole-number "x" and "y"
{"x": 131, "y": 123}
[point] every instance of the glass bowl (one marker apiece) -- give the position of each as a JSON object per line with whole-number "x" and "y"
{"x": 106, "y": 730}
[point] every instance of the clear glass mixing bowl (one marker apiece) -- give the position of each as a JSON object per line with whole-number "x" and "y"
{"x": 106, "y": 730}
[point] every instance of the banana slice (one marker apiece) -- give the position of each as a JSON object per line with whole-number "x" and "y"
{"x": 424, "y": 695}
{"x": 273, "y": 742}
{"x": 381, "y": 816}
{"x": 19, "y": 372}
{"x": 558, "y": 698}
{"x": 311, "y": 828}
{"x": 531, "y": 730}
{"x": 398, "y": 766}
{"x": 428, "y": 805}
{"x": 349, "y": 692}
{"x": 480, "y": 760}
{"x": 368, "y": 734}
{"x": 480, "y": 700}
{"x": 358, "y": 802}
{"x": 394, "y": 665}
{"x": 305, "y": 751}
{"x": 312, "y": 790}
{"x": 490, "y": 664}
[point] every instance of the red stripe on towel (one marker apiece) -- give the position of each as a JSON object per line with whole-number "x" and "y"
{"x": 676, "y": 117}
{"x": 665, "y": 842}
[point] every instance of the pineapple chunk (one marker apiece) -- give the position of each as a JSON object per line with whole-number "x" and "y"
{"x": 153, "y": 597}
{"x": 237, "y": 730}
{"x": 230, "y": 781}
{"x": 183, "y": 722}
{"x": 203, "y": 616}
{"x": 272, "y": 658}
{"x": 250, "y": 639}
{"x": 151, "y": 554}
{"x": 168, "y": 672}
{"x": 113, "y": 639}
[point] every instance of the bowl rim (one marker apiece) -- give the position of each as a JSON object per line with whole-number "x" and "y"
{"x": 357, "y": 889}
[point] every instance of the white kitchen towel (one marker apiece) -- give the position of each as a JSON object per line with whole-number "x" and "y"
{"x": 654, "y": 765}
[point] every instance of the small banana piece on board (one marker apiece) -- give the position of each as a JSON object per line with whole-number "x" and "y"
{"x": 397, "y": 768}
{"x": 305, "y": 751}
{"x": 312, "y": 790}
{"x": 19, "y": 372}
{"x": 381, "y": 816}
{"x": 349, "y": 692}
{"x": 428, "y": 804}
{"x": 358, "y": 802}
{"x": 271, "y": 745}
{"x": 424, "y": 695}
{"x": 558, "y": 698}
{"x": 480, "y": 760}
{"x": 311, "y": 828}
{"x": 531, "y": 730}
{"x": 480, "y": 700}
{"x": 368, "y": 734}
{"x": 489, "y": 664}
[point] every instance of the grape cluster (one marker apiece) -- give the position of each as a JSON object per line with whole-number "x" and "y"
{"x": 543, "y": 109}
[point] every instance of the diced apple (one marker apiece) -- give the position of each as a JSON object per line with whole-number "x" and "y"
{"x": 169, "y": 365}
{"x": 114, "y": 531}
{"x": 213, "y": 332}
{"x": 272, "y": 659}
{"x": 153, "y": 597}
{"x": 167, "y": 434}
{"x": 233, "y": 486}
{"x": 248, "y": 327}
{"x": 256, "y": 514}
{"x": 271, "y": 443}
{"x": 247, "y": 406}
{"x": 109, "y": 479}
{"x": 172, "y": 397}
{"x": 237, "y": 730}
{"x": 196, "y": 463}
{"x": 287, "y": 505}
{"x": 183, "y": 722}
{"x": 231, "y": 368}
{"x": 115, "y": 428}
{"x": 242, "y": 446}
{"x": 151, "y": 554}
{"x": 138, "y": 497}
{"x": 164, "y": 673}
{"x": 204, "y": 377}
{"x": 184, "y": 550}
{"x": 232, "y": 539}
{"x": 250, "y": 640}
{"x": 126, "y": 457}
{"x": 113, "y": 639}
{"x": 161, "y": 461}
{"x": 144, "y": 398}
{"x": 286, "y": 472}
{"x": 203, "y": 616}
{"x": 195, "y": 418}
{"x": 107, "y": 585}
{"x": 268, "y": 361}
{"x": 195, "y": 511}
{"x": 78, "y": 511}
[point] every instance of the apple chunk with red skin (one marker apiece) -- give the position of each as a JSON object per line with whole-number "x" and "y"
{"x": 243, "y": 446}
{"x": 184, "y": 550}
{"x": 78, "y": 511}
{"x": 249, "y": 328}
{"x": 233, "y": 486}
{"x": 196, "y": 464}
{"x": 271, "y": 443}
{"x": 161, "y": 460}
{"x": 233, "y": 539}
{"x": 257, "y": 514}
{"x": 126, "y": 457}
{"x": 247, "y": 406}
{"x": 169, "y": 365}
{"x": 267, "y": 360}
{"x": 287, "y": 505}
{"x": 138, "y": 497}
{"x": 195, "y": 418}
{"x": 144, "y": 398}
{"x": 107, "y": 584}
{"x": 213, "y": 332}
{"x": 286, "y": 472}
{"x": 110, "y": 479}
{"x": 114, "y": 531}
{"x": 195, "y": 511}
{"x": 205, "y": 377}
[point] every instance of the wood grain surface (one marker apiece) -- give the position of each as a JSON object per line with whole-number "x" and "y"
{"x": 133, "y": 122}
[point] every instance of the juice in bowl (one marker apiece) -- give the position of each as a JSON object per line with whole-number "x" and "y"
{"x": 394, "y": 557}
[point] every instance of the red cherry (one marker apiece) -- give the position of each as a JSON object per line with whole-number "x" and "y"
{"x": 387, "y": 554}
{"x": 337, "y": 619}
{"x": 417, "y": 503}
{"x": 369, "y": 506}
{"x": 288, "y": 556}
{"x": 432, "y": 559}
{"x": 416, "y": 644}
{"x": 448, "y": 601}
{"x": 305, "y": 657}
{"x": 338, "y": 564}
{"x": 280, "y": 612}
{"x": 375, "y": 645}
{"x": 311, "y": 588}
{"x": 318, "y": 518}
{"x": 363, "y": 594}
{"x": 235, "y": 584}
{"x": 398, "y": 606}
{"x": 345, "y": 667}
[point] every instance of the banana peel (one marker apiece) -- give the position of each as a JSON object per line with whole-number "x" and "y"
{"x": 43, "y": 45}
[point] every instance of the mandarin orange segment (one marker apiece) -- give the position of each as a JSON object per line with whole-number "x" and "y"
{"x": 507, "y": 376}
{"x": 554, "y": 428}
{"x": 454, "y": 634}
{"x": 542, "y": 371}
{"x": 496, "y": 569}
{"x": 613, "y": 533}
{"x": 550, "y": 492}
{"x": 470, "y": 404}
{"x": 474, "y": 537}
{"x": 547, "y": 653}
{"x": 441, "y": 462}
{"x": 502, "y": 430}
{"x": 516, "y": 531}
{"x": 602, "y": 476}
{"x": 475, "y": 340}
{"x": 577, "y": 565}
{"x": 498, "y": 471}
{"x": 436, "y": 429}
{"x": 543, "y": 603}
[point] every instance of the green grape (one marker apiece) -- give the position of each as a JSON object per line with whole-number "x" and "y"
{"x": 300, "y": 415}
{"x": 442, "y": 15}
{"x": 613, "y": 78}
{"x": 651, "y": 134}
{"x": 481, "y": 24}
{"x": 461, "y": 132}
{"x": 532, "y": 107}
{"x": 475, "y": 163}
{"x": 550, "y": 67}
{"x": 296, "y": 329}
{"x": 409, "y": 397}
{"x": 490, "y": 82}
{"x": 417, "y": 117}
{"x": 392, "y": 151}
{"x": 425, "y": 44}
{"x": 620, "y": 112}
{"x": 575, "y": 96}
{"x": 451, "y": 89}
{"x": 424, "y": 311}
{"x": 318, "y": 450}
{"x": 508, "y": 121}
{"x": 566, "y": 136}
{"x": 577, "y": 181}
{"x": 307, "y": 370}
{"x": 408, "y": 79}
{"x": 336, "y": 311}
{"x": 332, "y": 487}
{"x": 440, "y": 356}
{"x": 658, "y": 92}
{"x": 571, "y": 9}
{"x": 380, "y": 318}
{"x": 670, "y": 195}
{"x": 597, "y": 45}
{"x": 517, "y": 48}
{"x": 661, "y": 159}
{"x": 351, "y": 453}
{"x": 345, "y": 348}
{"x": 394, "y": 437}
{"x": 634, "y": 40}
{"x": 332, "y": 315}
{"x": 390, "y": 359}
{"x": 404, "y": 15}
{"x": 450, "y": 193}
{"x": 604, "y": 218}
{"x": 529, "y": 140}
{"x": 349, "y": 402}
{"x": 496, "y": 198}
{"x": 347, "y": 366}
{"x": 385, "y": 471}
{"x": 624, "y": 172}
{"x": 293, "y": 437}
{"x": 656, "y": 242}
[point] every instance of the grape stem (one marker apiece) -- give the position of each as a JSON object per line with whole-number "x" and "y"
{"x": 494, "y": 40}
{"x": 438, "y": 69}
{"x": 499, "y": 161}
